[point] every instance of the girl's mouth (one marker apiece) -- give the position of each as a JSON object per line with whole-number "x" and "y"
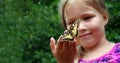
{"x": 85, "y": 35}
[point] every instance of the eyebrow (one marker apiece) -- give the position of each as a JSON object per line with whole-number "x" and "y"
{"x": 70, "y": 20}
{"x": 87, "y": 14}
{"x": 78, "y": 17}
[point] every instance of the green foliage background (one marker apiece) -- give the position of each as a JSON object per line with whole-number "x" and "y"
{"x": 27, "y": 25}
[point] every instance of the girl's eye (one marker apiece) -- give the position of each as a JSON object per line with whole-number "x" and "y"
{"x": 88, "y": 17}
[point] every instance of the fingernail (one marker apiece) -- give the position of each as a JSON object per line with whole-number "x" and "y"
{"x": 51, "y": 38}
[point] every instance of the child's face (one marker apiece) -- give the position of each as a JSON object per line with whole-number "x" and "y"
{"x": 91, "y": 26}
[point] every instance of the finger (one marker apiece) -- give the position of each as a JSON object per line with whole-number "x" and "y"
{"x": 60, "y": 38}
{"x": 71, "y": 46}
{"x": 59, "y": 43}
{"x": 52, "y": 45}
{"x": 76, "y": 41}
{"x": 74, "y": 46}
{"x": 65, "y": 45}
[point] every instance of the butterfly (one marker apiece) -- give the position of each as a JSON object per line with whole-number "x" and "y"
{"x": 72, "y": 32}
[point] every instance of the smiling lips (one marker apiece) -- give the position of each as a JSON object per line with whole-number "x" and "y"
{"x": 84, "y": 35}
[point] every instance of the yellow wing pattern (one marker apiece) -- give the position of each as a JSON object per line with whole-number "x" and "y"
{"x": 72, "y": 32}
{"x": 74, "y": 27}
{"x": 67, "y": 35}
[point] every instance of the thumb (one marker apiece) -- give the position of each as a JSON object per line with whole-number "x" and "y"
{"x": 52, "y": 45}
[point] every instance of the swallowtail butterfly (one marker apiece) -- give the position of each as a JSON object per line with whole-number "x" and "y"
{"x": 72, "y": 32}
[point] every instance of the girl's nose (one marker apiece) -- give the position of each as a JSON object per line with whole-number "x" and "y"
{"x": 81, "y": 27}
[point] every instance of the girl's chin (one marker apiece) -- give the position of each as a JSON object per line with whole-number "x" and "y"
{"x": 87, "y": 43}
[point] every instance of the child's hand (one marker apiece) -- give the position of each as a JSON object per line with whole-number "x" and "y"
{"x": 64, "y": 51}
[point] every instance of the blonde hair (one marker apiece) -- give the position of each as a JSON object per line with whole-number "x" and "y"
{"x": 96, "y": 4}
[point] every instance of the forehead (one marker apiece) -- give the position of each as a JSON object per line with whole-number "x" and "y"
{"x": 75, "y": 8}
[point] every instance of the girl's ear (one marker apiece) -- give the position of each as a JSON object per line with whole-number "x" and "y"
{"x": 105, "y": 18}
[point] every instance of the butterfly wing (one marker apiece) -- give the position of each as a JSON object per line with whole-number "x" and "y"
{"x": 74, "y": 27}
{"x": 67, "y": 36}
{"x": 72, "y": 32}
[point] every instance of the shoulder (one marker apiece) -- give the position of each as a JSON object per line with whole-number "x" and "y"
{"x": 117, "y": 47}
{"x": 113, "y": 56}
{"x": 118, "y": 43}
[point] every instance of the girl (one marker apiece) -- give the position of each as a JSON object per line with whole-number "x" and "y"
{"x": 92, "y": 45}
